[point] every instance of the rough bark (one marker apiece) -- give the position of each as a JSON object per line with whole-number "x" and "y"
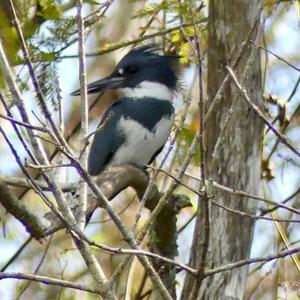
{"x": 163, "y": 241}
{"x": 236, "y": 163}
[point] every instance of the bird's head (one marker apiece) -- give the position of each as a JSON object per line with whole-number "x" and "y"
{"x": 141, "y": 72}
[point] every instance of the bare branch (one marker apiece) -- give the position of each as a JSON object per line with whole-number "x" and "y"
{"x": 82, "y": 200}
{"x": 277, "y": 56}
{"x": 250, "y": 261}
{"x": 244, "y": 94}
{"x": 48, "y": 280}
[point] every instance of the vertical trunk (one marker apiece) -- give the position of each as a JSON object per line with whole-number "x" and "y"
{"x": 236, "y": 163}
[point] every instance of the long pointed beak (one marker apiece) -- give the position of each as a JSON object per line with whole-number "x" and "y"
{"x": 101, "y": 85}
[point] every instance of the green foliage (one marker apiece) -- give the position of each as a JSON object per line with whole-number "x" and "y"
{"x": 48, "y": 78}
{"x": 180, "y": 8}
{"x": 48, "y": 10}
{"x": 62, "y": 31}
{"x": 44, "y": 48}
{"x": 184, "y": 141}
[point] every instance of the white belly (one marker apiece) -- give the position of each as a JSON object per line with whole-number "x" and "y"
{"x": 141, "y": 144}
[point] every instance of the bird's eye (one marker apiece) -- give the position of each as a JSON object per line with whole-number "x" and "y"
{"x": 130, "y": 69}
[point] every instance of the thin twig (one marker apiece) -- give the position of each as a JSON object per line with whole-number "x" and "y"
{"x": 82, "y": 199}
{"x": 16, "y": 254}
{"x": 251, "y": 216}
{"x": 37, "y": 268}
{"x": 202, "y": 225}
{"x": 118, "y": 46}
{"x": 283, "y": 202}
{"x": 244, "y": 94}
{"x": 234, "y": 192}
{"x": 48, "y": 281}
{"x": 42, "y": 167}
{"x": 244, "y": 262}
{"x": 277, "y": 56}
{"x": 23, "y": 182}
{"x": 99, "y": 128}
{"x": 27, "y": 125}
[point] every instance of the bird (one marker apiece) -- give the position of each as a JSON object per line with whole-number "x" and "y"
{"x": 135, "y": 128}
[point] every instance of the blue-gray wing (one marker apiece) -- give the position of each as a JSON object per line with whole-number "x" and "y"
{"x": 106, "y": 141}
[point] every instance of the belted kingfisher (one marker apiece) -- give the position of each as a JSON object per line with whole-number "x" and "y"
{"x": 137, "y": 126}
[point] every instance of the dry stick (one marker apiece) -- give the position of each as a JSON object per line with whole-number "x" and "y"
{"x": 64, "y": 283}
{"x": 39, "y": 151}
{"x": 132, "y": 42}
{"x": 295, "y": 113}
{"x": 16, "y": 254}
{"x": 247, "y": 195}
{"x": 44, "y": 167}
{"x": 231, "y": 191}
{"x": 202, "y": 226}
{"x": 17, "y": 131}
{"x": 22, "y": 182}
{"x": 264, "y": 212}
{"x": 94, "y": 16}
{"x": 252, "y": 216}
{"x": 122, "y": 251}
{"x": 277, "y": 56}
{"x": 244, "y": 194}
{"x": 119, "y": 45}
{"x": 88, "y": 20}
{"x": 293, "y": 92}
{"x": 36, "y": 227}
{"x": 48, "y": 281}
{"x": 15, "y": 206}
{"x": 37, "y": 267}
{"x": 245, "y": 262}
{"x": 12, "y": 120}
{"x": 244, "y": 94}
{"x": 82, "y": 200}
{"x": 136, "y": 252}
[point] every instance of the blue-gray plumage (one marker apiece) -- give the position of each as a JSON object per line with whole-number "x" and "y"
{"x": 136, "y": 127}
{"x": 108, "y": 141}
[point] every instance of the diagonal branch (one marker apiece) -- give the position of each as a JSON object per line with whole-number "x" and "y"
{"x": 244, "y": 94}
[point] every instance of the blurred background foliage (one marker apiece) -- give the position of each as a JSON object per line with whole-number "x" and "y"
{"x": 112, "y": 28}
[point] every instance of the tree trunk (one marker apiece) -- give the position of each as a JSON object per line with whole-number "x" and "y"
{"x": 236, "y": 164}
